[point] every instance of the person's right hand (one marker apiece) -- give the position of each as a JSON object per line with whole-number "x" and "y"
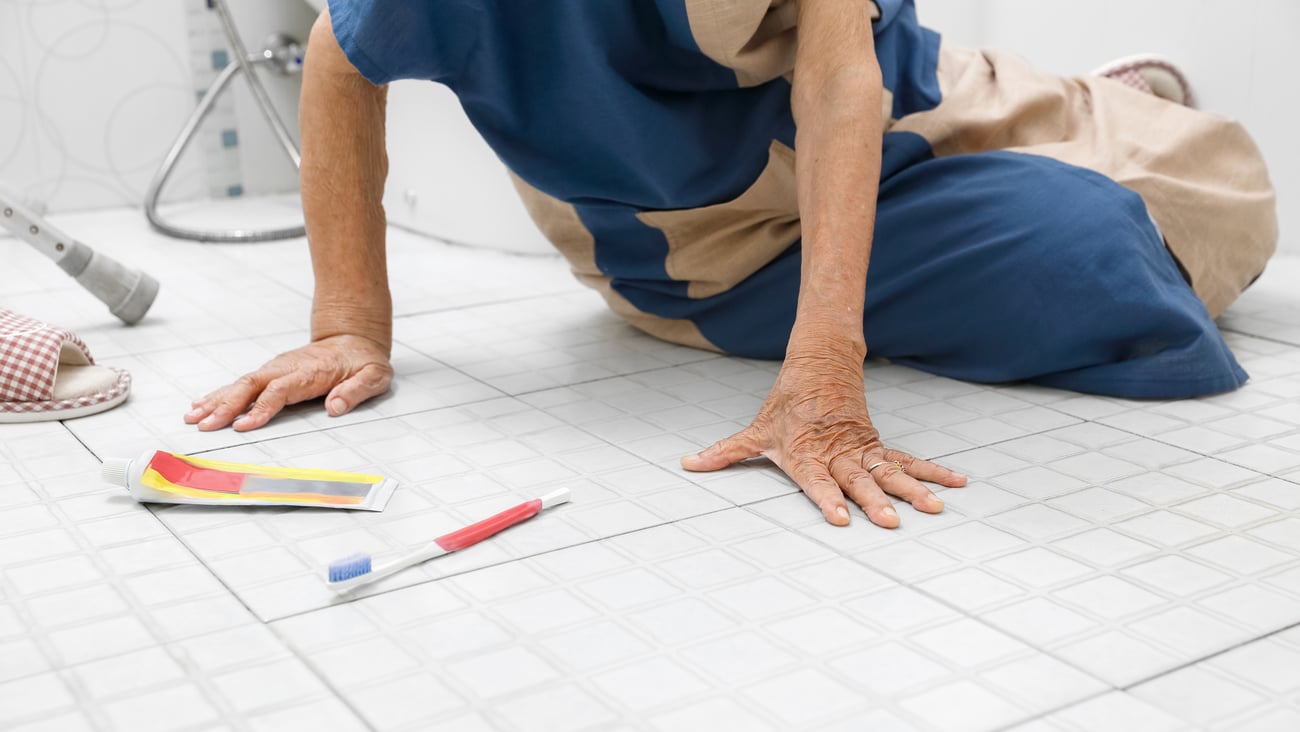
{"x": 349, "y": 369}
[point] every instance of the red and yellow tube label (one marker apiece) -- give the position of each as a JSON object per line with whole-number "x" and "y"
{"x": 216, "y": 480}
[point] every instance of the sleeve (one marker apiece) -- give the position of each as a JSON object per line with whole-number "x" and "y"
{"x": 388, "y": 40}
{"x": 754, "y": 38}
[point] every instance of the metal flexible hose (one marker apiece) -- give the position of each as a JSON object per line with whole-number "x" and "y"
{"x": 255, "y": 84}
{"x": 244, "y": 63}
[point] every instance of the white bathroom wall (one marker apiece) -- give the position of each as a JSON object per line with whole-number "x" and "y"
{"x": 265, "y": 167}
{"x": 1240, "y": 57}
{"x": 92, "y": 92}
{"x": 443, "y": 179}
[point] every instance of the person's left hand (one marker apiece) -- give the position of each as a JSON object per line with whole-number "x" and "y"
{"x": 814, "y": 426}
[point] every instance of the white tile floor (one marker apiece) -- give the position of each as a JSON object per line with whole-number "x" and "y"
{"x": 1113, "y": 565}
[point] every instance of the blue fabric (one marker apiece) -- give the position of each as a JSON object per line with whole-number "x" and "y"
{"x": 994, "y": 267}
{"x": 909, "y": 57}
{"x": 388, "y": 40}
{"x": 609, "y": 102}
{"x": 1008, "y": 267}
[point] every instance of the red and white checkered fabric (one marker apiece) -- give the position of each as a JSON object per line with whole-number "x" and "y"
{"x": 1131, "y": 76}
{"x": 29, "y": 359}
{"x": 1130, "y": 73}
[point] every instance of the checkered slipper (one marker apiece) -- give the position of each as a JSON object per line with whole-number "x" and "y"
{"x": 47, "y": 373}
{"x": 1152, "y": 74}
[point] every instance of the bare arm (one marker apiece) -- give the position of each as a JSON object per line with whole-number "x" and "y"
{"x": 814, "y": 424}
{"x": 344, "y": 165}
{"x": 836, "y": 102}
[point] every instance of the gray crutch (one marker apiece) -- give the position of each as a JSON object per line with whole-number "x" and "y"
{"x": 128, "y": 293}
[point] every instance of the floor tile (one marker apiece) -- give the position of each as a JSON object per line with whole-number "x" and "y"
{"x": 1112, "y": 564}
{"x": 724, "y": 623}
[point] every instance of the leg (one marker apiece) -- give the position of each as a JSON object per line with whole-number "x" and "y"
{"x": 1008, "y": 267}
{"x": 1203, "y": 179}
{"x": 1005, "y": 266}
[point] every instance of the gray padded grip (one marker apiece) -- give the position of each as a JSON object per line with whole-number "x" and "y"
{"x": 128, "y": 293}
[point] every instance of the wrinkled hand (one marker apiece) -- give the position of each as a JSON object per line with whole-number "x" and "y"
{"x": 349, "y": 368}
{"x": 814, "y": 426}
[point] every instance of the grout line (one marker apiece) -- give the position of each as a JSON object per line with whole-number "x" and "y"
{"x": 1219, "y": 458}
{"x": 288, "y": 646}
{"x": 315, "y": 671}
{"x": 1057, "y": 709}
{"x": 978, "y": 618}
{"x": 1126, "y": 689}
{"x": 1256, "y": 336}
{"x": 705, "y": 356}
{"x": 915, "y": 588}
{"x": 293, "y": 651}
{"x": 484, "y": 303}
{"x": 75, "y": 436}
{"x": 597, "y": 380}
{"x": 1209, "y": 656}
{"x": 747, "y": 507}
{"x": 512, "y": 560}
{"x": 333, "y": 428}
{"x": 202, "y": 677}
{"x": 192, "y": 346}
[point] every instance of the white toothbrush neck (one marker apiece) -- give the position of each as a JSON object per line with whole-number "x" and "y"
{"x": 458, "y": 539}
{"x": 381, "y": 571}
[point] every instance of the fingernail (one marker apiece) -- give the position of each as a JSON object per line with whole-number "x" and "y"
{"x": 208, "y": 421}
{"x": 889, "y": 511}
{"x": 842, "y": 512}
{"x": 194, "y": 412}
{"x": 338, "y": 406}
{"x": 239, "y": 420}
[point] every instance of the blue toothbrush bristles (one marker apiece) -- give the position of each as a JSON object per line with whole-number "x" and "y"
{"x": 349, "y": 567}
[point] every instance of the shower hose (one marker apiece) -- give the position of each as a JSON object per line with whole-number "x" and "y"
{"x": 282, "y": 55}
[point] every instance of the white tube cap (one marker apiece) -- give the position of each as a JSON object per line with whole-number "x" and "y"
{"x": 116, "y": 471}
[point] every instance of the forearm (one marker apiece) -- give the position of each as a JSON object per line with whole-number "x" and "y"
{"x": 344, "y": 165}
{"x": 836, "y": 103}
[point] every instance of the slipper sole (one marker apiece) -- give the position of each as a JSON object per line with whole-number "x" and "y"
{"x": 28, "y": 412}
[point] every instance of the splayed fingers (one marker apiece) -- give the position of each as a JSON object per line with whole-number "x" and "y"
{"x": 831, "y": 483}
{"x": 814, "y": 425}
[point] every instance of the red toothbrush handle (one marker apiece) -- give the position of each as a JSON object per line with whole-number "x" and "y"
{"x": 476, "y": 532}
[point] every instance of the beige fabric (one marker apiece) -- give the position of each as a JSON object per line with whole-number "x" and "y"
{"x": 1201, "y": 176}
{"x": 74, "y": 375}
{"x": 716, "y": 247}
{"x": 754, "y": 38}
{"x": 76, "y": 380}
{"x": 560, "y": 223}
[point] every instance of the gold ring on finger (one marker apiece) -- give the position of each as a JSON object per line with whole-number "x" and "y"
{"x": 896, "y": 463}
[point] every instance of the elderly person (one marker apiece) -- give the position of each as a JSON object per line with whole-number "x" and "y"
{"x": 723, "y": 172}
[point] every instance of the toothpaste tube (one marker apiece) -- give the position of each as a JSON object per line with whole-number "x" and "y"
{"x": 164, "y": 477}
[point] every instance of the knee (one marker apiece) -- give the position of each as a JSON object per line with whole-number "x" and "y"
{"x": 1078, "y": 231}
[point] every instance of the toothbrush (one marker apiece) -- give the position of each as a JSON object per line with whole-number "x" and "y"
{"x": 353, "y": 571}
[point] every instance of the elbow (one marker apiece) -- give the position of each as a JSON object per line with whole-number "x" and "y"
{"x": 852, "y": 88}
{"x": 322, "y": 31}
